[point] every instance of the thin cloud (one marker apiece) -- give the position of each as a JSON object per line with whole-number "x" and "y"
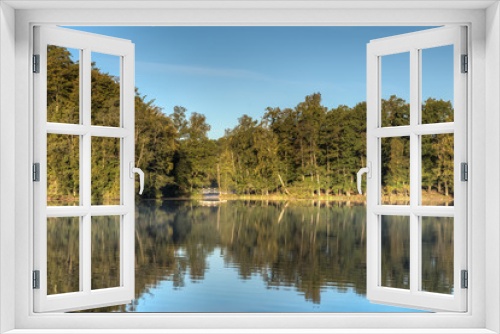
{"x": 233, "y": 73}
{"x": 205, "y": 71}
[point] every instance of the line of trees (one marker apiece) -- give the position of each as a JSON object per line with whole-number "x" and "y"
{"x": 305, "y": 151}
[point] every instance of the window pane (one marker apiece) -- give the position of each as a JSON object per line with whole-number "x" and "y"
{"x": 395, "y": 170}
{"x": 437, "y": 254}
{"x": 437, "y": 84}
{"x": 63, "y": 170}
{"x": 437, "y": 169}
{"x": 395, "y": 90}
{"x": 105, "y": 171}
{"x": 105, "y": 252}
{"x": 63, "y": 85}
{"x": 105, "y": 89}
{"x": 63, "y": 255}
{"x": 396, "y": 252}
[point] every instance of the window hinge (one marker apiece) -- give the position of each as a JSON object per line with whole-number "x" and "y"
{"x": 464, "y": 173}
{"x": 465, "y": 64}
{"x": 465, "y": 279}
{"x": 36, "y": 63}
{"x": 36, "y": 279}
{"x": 36, "y": 172}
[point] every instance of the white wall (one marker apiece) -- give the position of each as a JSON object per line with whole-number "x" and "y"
{"x": 7, "y": 160}
{"x": 486, "y": 102}
{"x": 492, "y": 146}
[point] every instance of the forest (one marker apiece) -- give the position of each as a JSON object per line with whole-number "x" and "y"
{"x": 303, "y": 152}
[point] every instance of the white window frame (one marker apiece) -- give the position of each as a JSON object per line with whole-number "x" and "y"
{"x": 123, "y": 50}
{"x": 413, "y": 44}
{"x": 484, "y": 81}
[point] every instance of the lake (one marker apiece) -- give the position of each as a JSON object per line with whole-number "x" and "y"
{"x": 254, "y": 256}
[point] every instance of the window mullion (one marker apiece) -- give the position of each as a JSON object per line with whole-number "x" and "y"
{"x": 86, "y": 122}
{"x": 421, "y": 211}
{"x": 414, "y": 169}
{"x": 86, "y": 166}
{"x": 433, "y": 129}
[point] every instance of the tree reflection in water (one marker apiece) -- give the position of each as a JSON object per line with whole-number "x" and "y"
{"x": 304, "y": 246}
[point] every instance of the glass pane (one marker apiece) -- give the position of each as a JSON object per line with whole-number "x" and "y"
{"x": 437, "y": 169}
{"x": 63, "y": 255}
{"x": 395, "y": 170}
{"x": 105, "y": 252}
{"x": 437, "y": 84}
{"x": 396, "y": 252}
{"x": 105, "y": 171}
{"x": 105, "y": 89}
{"x": 63, "y": 170}
{"x": 63, "y": 85}
{"x": 437, "y": 254}
{"x": 395, "y": 90}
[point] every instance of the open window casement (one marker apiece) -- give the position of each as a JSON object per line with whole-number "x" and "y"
{"x": 95, "y": 219}
{"x": 406, "y": 272}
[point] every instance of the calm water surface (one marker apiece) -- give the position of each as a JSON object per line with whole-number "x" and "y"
{"x": 259, "y": 256}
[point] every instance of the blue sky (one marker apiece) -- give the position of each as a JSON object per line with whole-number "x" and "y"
{"x": 225, "y": 72}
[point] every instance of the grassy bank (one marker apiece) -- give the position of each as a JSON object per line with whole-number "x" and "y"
{"x": 432, "y": 198}
{"x": 427, "y": 198}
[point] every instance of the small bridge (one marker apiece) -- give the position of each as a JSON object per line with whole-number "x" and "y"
{"x": 210, "y": 191}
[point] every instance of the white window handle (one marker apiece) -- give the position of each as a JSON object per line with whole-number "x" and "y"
{"x": 133, "y": 170}
{"x": 368, "y": 171}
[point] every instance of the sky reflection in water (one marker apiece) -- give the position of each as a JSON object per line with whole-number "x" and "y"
{"x": 256, "y": 256}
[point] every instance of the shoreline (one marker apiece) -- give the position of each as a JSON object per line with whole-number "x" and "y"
{"x": 434, "y": 198}
{"x": 393, "y": 200}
